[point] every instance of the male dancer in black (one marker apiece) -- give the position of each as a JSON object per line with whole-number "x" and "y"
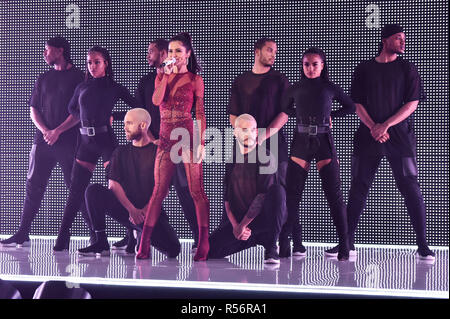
{"x": 255, "y": 200}
{"x": 156, "y": 54}
{"x": 131, "y": 181}
{"x": 386, "y": 91}
{"x": 258, "y": 92}
{"x": 55, "y": 139}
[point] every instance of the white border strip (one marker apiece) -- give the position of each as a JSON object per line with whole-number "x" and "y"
{"x": 242, "y": 286}
{"x": 236, "y": 286}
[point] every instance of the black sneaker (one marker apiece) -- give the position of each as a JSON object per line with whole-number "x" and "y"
{"x": 131, "y": 244}
{"x": 121, "y": 244}
{"x": 62, "y": 242}
{"x": 424, "y": 253}
{"x": 271, "y": 257}
{"x": 343, "y": 254}
{"x": 17, "y": 240}
{"x": 97, "y": 249}
{"x": 284, "y": 248}
{"x": 333, "y": 252}
{"x": 299, "y": 251}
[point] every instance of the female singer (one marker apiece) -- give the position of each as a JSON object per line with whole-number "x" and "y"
{"x": 177, "y": 89}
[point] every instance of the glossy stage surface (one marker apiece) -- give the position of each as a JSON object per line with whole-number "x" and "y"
{"x": 381, "y": 271}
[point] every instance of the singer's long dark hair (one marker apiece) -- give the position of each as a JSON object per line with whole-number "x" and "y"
{"x": 324, "y": 74}
{"x": 109, "y": 70}
{"x": 185, "y": 39}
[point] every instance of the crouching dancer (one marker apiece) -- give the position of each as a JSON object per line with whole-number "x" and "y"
{"x": 255, "y": 201}
{"x": 131, "y": 182}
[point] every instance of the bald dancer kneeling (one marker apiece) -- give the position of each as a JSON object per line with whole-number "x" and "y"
{"x": 131, "y": 180}
{"x": 255, "y": 200}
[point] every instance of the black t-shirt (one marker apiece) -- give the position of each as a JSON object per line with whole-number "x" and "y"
{"x": 94, "y": 100}
{"x": 260, "y": 95}
{"x": 133, "y": 168}
{"x": 313, "y": 100}
{"x": 382, "y": 89}
{"x": 245, "y": 180}
{"x": 51, "y": 95}
{"x": 143, "y": 94}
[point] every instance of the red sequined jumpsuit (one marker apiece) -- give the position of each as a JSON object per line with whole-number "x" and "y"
{"x": 181, "y": 92}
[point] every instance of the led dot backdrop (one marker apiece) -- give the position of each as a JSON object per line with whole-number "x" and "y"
{"x": 223, "y": 35}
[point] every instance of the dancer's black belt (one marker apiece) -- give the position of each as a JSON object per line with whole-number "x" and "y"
{"x": 313, "y": 129}
{"x": 91, "y": 130}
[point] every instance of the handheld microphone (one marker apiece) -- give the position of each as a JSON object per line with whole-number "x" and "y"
{"x": 167, "y": 63}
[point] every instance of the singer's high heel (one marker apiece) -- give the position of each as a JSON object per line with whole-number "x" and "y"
{"x": 203, "y": 244}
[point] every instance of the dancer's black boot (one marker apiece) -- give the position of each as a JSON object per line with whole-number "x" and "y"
{"x": 331, "y": 185}
{"x": 80, "y": 180}
{"x": 99, "y": 248}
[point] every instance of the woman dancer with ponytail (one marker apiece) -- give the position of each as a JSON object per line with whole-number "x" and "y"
{"x": 92, "y": 103}
{"x": 313, "y": 96}
{"x": 177, "y": 89}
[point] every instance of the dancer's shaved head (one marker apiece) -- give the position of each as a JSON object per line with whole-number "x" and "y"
{"x": 137, "y": 121}
{"x": 246, "y": 131}
{"x": 244, "y": 117}
{"x": 140, "y": 115}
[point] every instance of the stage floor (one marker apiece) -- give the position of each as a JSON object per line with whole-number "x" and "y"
{"x": 377, "y": 271}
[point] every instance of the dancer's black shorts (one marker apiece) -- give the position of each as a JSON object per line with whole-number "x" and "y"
{"x": 308, "y": 147}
